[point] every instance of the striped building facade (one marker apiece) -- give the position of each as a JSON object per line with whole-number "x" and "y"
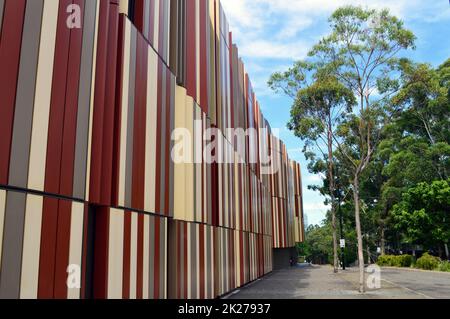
{"x": 91, "y": 203}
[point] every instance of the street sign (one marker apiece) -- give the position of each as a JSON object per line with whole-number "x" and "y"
{"x": 342, "y": 242}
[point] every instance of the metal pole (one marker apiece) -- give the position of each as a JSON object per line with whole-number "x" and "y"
{"x": 341, "y": 229}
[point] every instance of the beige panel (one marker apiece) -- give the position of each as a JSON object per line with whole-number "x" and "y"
{"x": 179, "y": 168}
{"x": 31, "y": 247}
{"x": 190, "y": 166}
{"x": 146, "y": 256}
{"x": 156, "y": 25}
{"x": 76, "y": 243}
{"x": 150, "y": 134}
{"x": 38, "y": 149}
{"x": 91, "y": 109}
{"x": 133, "y": 255}
{"x": 115, "y": 254}
{"x": 2, "y": 218}
{"x": 123, "y": 6}
{"x": 124, "y": 119}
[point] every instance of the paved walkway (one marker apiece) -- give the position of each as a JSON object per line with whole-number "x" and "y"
{"x": 319, "y": 282}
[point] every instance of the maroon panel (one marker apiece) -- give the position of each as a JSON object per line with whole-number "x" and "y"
{"x": 48, "y": 248}
{"x": 158, "y": 176}
{"x": 10, "y": 44}
{"x": 140, "y": 258}
{"x": 231, "y": 82}
{"x": 62, "y": 249}
{"x": 110, "y": 90}
{"x": 84, "y": 270}
{"x": 191, "y": 65}
{"x": 138, "y": 175}
{"x": 71, "y": 109}
{"x": 58, "y": 97}
{"x": 204, "y": 17}
{"x": 99, "y": 105}
{"x": 101, "y": 253}
{"x": 118, "y": 113}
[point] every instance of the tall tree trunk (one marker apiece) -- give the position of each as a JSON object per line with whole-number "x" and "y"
{"x": 383, "y": 250}
{"x": 446, "y": 250}
{"x": 358, "y": 233}
{"x": 333, "y": 199}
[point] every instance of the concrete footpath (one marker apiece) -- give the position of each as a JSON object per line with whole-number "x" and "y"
{"x": 319, "y": 282}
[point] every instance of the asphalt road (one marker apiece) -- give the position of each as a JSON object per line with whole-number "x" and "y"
{"x": 319, "y": 282}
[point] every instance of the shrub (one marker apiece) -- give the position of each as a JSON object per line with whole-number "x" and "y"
{"x": 428, "y": 262}
{"x": 395, "y": 261}
{"x": 444, "y": 266}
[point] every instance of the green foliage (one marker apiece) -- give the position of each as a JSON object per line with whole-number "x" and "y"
{"x": 395, "y": 261}
{"x": 428, "y": 262}
{"x": 444, "y": 266}
{"x": 423, "y": 213}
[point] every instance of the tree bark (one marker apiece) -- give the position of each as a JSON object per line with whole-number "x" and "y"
{"x": 333, "y": 199}
{"x": 383, "y": 251}
{"x": 446, "y": 250}
{"x": 333, "y": 225}
{"x": 358, "y": 233}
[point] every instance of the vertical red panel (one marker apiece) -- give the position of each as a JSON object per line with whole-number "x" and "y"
{"x": 139, "y": 15}
{"x": 140, "y": 258}
{"x": 62, "y": 249}
{"x": 191, "y": 61}
{"x": 10, "y": 44}
{"x": 48, "y": 248}
{"x": 158, "y": 140}
{"x": 109, "y": 108}
{"x": 101, "y": 253}
{"x": 84, "y": 257}
{"x": 231, "y": 82}
{"x": 138, "y": 170}
{"x": 58, "y": 97}
{"x": 71, "y": 109}
{"x": 99, "y": 105}
{"x": 204, "y": 15}
{"x": 118, "y": 114}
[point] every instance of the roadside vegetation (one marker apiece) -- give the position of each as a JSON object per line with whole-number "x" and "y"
{"x": 376, "y": 127}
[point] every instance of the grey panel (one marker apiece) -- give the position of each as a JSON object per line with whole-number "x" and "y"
{"x": 12, "y": 245}
{"x": 23, "y": 115}
{"x": 84, "y": 100}
{"x": 130, "y": 124}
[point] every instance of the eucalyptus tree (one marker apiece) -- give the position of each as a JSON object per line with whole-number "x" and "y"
{"x": 320, "y": 104}
{"x": 361, "y": 51}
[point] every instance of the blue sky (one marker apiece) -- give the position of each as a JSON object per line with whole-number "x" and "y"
{"x": 271, "y": 34}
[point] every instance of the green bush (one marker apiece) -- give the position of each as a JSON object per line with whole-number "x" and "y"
{"x": 395, "y": 261}
{"x": 428, "y": 262}
{"x": 444, "y": 266}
